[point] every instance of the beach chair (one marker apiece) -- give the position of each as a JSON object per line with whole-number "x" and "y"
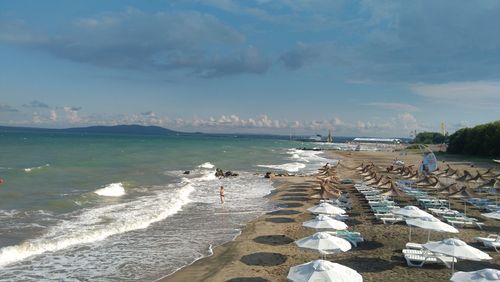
{"x": 442, "y": 211}
{"x": 417, "y": 258}
{"x": 492, "y": 241}
{"x": 383, "y": 214}
{"x": 461, "y": 223}
{"x": 414, "y": 246}
{"x": 341, "y": 217}
{"x": 353, "y": 237}
{"x": 391, "y": 220}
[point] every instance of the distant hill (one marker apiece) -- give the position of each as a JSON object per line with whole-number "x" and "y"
{"x": 117, "y": 129}
{"x": 123, "y": 129}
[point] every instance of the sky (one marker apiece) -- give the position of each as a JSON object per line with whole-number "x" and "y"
{"x": 359, "y": 67}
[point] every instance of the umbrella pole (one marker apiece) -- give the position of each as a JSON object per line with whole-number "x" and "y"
{"x": 465, "y": 209}
{"x": 429, "y": 236}
{"x": 409, "y": 236}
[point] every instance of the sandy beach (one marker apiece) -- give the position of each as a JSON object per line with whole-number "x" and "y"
{"x": 265, "y": 250}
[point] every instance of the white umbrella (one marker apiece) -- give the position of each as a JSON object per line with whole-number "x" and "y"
{"x": 326, "y": 208}
{"x": 322, "y": 270}
{"x": 430, "y": 223}
{"x": 483, "y": 275}
{"x": 494, "y": 215}
{"x": 324, "y": 243}
{"x": 325, "y": 222}
{"x": 456, "y": 248}
{"x": 411, "y": 211}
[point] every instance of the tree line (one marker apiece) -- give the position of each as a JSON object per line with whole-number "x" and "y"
{"x": 481, "y": 140}
{"x": 430, "y": 138}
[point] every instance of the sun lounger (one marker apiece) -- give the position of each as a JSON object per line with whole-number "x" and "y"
{"x": 492, "y": 208}
{"x": 385, "y": 214}
{"x": 414, "y": 246}
{"x": 383, "y": 203}
{"x": 391, "y": 220}
{"x": 341, "y": 217}
{"x": 353, "y": 237}
{"x": 417, "y": 258}
{"x": 382, "y": 209}
{"x": 463, "y": 223}
{"x": 492, "y": 241}
{"x": 443, "y": 211}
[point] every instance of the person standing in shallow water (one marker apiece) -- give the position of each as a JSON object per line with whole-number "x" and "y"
{"x": 221, "y": 193}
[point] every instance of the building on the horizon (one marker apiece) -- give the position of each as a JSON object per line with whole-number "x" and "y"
{"x": 329, "y": 139}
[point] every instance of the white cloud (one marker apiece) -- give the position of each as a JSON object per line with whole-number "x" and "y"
{"x": 72, "y": 114}
{"x": 36, "y": 118}
{"x": 53, "y": 115}
{"x": 67, "y": 116}
{"x": 468, "y": 93}
{"x": 395, "y": 106}
{"x": 408, "y": 121}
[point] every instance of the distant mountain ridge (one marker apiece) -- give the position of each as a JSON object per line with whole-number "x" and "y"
{"x": 115, "y": 129}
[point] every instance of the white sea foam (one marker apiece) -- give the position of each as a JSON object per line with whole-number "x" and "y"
{"x": 111, "y": 190}
{"x": 97, "y": 224}
{"x": 207, "y": 176}
{"x": 8, "y": 213}
{"x": 206, "y": 165}
{"x": 29, "y": 169}
{"x": 290, "y": 167}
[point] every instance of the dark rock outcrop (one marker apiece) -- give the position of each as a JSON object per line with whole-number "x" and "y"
{"x": 220, "y": 173}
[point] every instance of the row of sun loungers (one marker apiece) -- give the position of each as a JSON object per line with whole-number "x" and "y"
{"x": 439, "y": 207}
{"x": 379, "y": 205}
{"x": 428, "y": 202}
{"x": 414, "y": 254}
{"x": 484, "y": 204}
{"x": 344, "y": 202}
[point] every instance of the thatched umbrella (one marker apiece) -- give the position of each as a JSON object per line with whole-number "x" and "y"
{"x": 488, "y": 184}
{"x": 489, "y": 172}
{"x": 479, "y": 178}
{"x": 428, "y": 181}
{"x": 414, "y": 175}
{"x": 466, "y": 177}
{"x": 375, "y": 181}
{"x": 450, "y": 189}
{"x": 464, "y": 192}
{"x": 370, "y": 176}
{"x": 388, "y": 184}
{"x": 453, "y": 174}
{"x": 394, "y": 191}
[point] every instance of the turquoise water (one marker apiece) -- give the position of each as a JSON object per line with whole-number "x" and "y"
{"x": 108, "y": 207}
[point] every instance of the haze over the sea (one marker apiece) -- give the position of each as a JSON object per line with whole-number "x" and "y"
{"x": 361, "y": 68}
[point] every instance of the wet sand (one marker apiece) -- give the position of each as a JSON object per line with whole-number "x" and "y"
{"x": 265, "y": 250}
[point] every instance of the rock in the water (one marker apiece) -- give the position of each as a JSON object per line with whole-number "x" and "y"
{"x": 230, "y": 173}
{"x": 268, "y": 174}
{"x": 186, "y": 172}
{"x": 219, "y": 172}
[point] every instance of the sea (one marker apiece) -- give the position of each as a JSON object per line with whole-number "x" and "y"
{"x": 83, "y": 207}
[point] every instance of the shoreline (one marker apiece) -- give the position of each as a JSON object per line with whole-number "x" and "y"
{"x": 264, "y": 250}
{"x": 207, "y": 268}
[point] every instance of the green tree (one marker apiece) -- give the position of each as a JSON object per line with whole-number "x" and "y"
{"x": 481, "y": 140}
{"x": 429, "y": 138}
